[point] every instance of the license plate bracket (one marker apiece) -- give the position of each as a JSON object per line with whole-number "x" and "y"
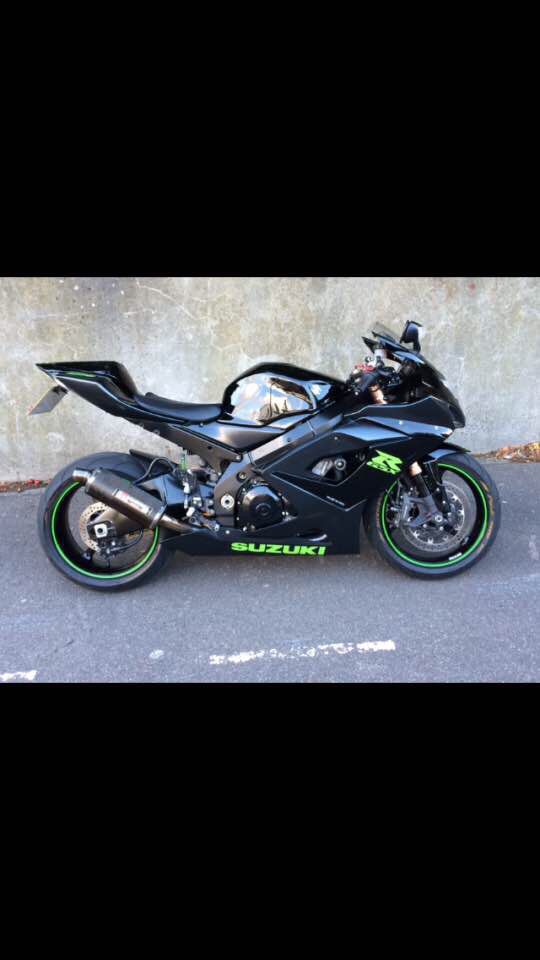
{"x": 49, "y": 400}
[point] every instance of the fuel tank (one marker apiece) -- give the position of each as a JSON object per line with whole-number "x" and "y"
{"x": 271, "y": 393}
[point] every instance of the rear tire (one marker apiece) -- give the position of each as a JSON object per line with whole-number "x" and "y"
{"x": 486, "y": 495}
{"x": 60, "y": 545}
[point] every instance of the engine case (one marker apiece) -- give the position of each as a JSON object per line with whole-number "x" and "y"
{"x": 259, "y": 506}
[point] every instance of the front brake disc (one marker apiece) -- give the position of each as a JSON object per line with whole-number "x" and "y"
{"x": 431, "y": 538}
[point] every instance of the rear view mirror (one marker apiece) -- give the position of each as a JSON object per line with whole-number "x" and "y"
{"x": 412, "y": 335}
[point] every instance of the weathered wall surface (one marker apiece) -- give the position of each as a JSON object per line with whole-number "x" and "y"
{"x": 186, "y": 338}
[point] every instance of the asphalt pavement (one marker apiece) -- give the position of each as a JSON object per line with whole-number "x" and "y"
{"x": 281, "y": 619}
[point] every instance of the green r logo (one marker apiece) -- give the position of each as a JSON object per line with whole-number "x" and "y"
{"x": 386, "y": 462}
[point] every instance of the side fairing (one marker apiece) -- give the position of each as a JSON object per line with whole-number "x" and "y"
{"x": 375, "y": 452}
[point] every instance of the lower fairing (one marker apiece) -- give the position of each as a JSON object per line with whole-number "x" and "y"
{"x": 339, "y": 528}
{"x": 234, "y": 542}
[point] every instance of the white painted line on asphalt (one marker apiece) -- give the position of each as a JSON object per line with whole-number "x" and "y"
{"x": 20, "y": 675}
{"x": 323, "y": 649}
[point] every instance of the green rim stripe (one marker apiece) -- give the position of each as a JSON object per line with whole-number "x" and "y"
{"x": 96, "y": 576}
{"x": 446, "y": 563}
{"x": 72, "y": 373}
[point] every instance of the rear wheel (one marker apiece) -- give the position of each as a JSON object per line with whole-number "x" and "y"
{"x": 65, "y": 512}
{"x": 449, "y": 544}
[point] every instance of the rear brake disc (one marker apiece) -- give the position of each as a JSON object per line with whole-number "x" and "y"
{"x": 91, "y": 512}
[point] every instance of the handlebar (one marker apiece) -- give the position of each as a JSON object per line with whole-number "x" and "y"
{"x": 366, "y": 380}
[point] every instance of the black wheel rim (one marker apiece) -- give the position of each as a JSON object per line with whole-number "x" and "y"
{"x": 77, "y": 558}
{"x": 474, "y": 539}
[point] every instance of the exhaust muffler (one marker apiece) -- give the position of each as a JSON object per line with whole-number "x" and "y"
{"x": 118, "y": 493}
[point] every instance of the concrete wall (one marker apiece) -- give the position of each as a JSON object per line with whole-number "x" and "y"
{"x": 186, "y": 338}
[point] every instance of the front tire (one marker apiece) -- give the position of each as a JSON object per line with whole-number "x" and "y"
{"x": 424, "y": 560}
{"x": 60, "y": 505}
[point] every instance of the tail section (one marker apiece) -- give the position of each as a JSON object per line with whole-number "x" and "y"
{"x": 97, "y": 371}
{"x": 105, "y": 384}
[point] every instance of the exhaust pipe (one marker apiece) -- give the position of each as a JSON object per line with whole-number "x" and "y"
{"x": 110, "y": 488}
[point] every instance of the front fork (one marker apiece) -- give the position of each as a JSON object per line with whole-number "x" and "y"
{"x": 432, "y": 501}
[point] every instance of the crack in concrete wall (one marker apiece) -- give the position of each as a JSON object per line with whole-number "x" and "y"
{"x": 188, "y": 337}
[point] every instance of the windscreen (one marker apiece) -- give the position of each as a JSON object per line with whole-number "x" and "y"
{"x": 382, "y": 330}
{"x": 403, "y": 350}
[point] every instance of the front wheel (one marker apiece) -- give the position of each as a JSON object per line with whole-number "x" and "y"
{"x": 449, "y": 545}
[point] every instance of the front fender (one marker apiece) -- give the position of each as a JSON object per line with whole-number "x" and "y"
{"x": 444, "y": 451}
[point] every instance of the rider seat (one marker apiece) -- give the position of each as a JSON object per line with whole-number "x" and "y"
{"x": 172, "y": 410}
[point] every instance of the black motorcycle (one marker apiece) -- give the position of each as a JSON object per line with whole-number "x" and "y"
{"x": 290, "y": 463}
